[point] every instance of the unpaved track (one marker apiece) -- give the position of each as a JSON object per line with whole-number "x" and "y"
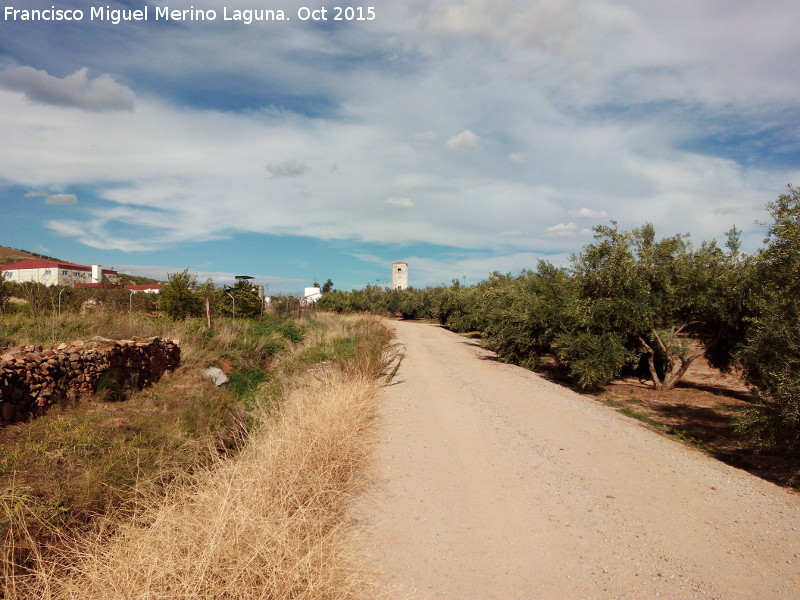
{"x": 491, "y": 482}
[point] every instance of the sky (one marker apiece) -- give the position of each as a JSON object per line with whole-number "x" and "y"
{"x": 461, "y": 136}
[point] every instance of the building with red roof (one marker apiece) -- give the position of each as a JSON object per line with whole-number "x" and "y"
{"x": 52, "y": 272}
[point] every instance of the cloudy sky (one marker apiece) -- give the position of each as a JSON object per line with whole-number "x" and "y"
{"x": 463, "y": 136}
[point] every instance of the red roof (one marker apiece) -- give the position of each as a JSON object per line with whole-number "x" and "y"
{"x": 35, "y": 263}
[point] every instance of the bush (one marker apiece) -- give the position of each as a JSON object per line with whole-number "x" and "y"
{"x": 177, "y": 297}
{"x": 593, "y": 359}
{"x": 522, "y": 316}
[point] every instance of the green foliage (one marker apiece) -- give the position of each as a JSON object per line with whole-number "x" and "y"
{"x": 4, "y": 293}
{"x": 651, "y": 294}
{"x": 771, "y": 355}
{"x": 456, "y": 307}
{"x": 327, "y": 287}
{"x": 178, "y": 298}
{"x": 243, "y": 382}
{"x": 248, "y": 302}
{"x": 371, "y": 299}
{"x": 593, "y": 359}
{"x": 521, "y": 316}
{"x": 269, "y": 325}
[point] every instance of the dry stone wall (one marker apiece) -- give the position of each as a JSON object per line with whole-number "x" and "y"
{"x": 32, "y": 378}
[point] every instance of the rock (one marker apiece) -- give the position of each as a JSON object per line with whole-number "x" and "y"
{"x": 216, "y": 375}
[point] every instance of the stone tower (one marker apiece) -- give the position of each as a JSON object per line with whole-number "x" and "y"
{"x": 399, "y": 275}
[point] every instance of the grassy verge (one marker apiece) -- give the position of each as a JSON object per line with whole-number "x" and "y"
{"x": 62, "y": 473}
{"x": 627, "y": 408}
{"x": 267, "y": 522}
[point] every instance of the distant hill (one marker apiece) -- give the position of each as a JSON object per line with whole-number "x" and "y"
{"x": 9, "y": 255}
{"x": 126, "y": 279}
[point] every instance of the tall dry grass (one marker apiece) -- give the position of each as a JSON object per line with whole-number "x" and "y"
{"x": 269, "y": 523}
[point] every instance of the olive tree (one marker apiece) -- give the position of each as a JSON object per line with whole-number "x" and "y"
{"x": 521, "y": 316}
{"x": 771, "y": 355}
{"x": 659, "y": 299}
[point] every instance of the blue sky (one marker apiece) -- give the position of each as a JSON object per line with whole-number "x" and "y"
{"x": 463, "y": 136}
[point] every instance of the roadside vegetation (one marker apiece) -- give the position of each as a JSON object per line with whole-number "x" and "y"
{"x": 633, "y": 304}
{"x": 185, "y": 489}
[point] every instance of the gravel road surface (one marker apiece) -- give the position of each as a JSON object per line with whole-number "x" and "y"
{"x": 491, "y": 482}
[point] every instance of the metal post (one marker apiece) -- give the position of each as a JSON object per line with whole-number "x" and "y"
{"x": 130, "y": 301}
{"x": 233, "y": 310}
{"x": 59, "y": 300}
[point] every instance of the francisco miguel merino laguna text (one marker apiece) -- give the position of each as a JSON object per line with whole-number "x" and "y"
{"x": 116, "y": 16}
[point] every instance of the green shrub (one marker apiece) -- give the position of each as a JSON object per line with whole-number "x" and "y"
{"x": 593, "y": 359}
{"x": 178, "y": 298}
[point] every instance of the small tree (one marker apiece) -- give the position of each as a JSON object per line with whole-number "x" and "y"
{"x": 521, "y": 316}
{"x": 248, "y": 302}
{"x": 39, "y": 296}
{"x": 661, "y": 299}
{"x": 327, "y": 287}
{"x": 177, "y": 297}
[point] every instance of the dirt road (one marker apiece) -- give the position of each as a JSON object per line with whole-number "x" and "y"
{"x": 491, "y": 482}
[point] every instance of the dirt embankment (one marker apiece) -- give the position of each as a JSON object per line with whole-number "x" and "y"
{"x": 491, "y": 482}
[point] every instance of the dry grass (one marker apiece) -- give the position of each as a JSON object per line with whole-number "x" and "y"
{"x": 269, "y": 523}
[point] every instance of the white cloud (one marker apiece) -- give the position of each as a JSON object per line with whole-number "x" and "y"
{"x": 399, "y": 202}
{"x": 466, "y": 140}
{"x": 588, "y": 213}
{"x": 36, "y": 195}
{"x": 101, "y": 94}
{"x": 562, "y": 230}
{"x": 725, "y": 210}
{"x": 426, "y": 136}
{"x": 288, "y": 168}
{"x": 611, "y": 130}
{"x": 514, "y": 22}
{"x": 62, "y": 199}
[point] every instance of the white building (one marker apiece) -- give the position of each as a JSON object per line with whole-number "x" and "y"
{"x": 51, "y": 272}
{"x": 146, "y": 288}
{"x": 311, "y": 295}
{"x": 399, "y": 275}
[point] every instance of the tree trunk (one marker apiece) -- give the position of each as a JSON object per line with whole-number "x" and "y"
{"x": 671, "y": 379}
{"x": 651, "y": 364}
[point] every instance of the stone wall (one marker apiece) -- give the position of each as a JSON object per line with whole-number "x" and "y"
{"x": 32, "y": 378}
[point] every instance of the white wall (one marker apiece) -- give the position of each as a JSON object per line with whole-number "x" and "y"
{"x": 399, "y": 276}
{"x": 312, "y": 294}
{"x": 48, "y": 276}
